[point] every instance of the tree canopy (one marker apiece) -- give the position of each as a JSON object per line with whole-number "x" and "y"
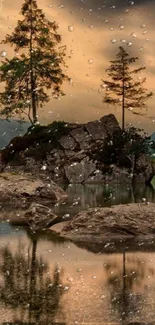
{"x": 123, "y": 90}
{"x": 36, "y": 67}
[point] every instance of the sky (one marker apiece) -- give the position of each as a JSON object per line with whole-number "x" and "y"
{"x": 93, "y": 30}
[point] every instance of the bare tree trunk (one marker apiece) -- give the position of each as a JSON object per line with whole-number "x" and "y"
{"x": 123, "y": 102}
{"x": 32, "y": 79}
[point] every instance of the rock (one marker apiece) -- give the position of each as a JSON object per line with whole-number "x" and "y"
{"x": 96, "y": 177}
{"x": 31, "y": 165}
{"x": 23, "y": 188}
{"x": 118, "y": 175}
{"x": 144, "y": 169}
{"x": 69, "y": 153}
{"x": 79, "y": 172}
{"x": 110, "y": 124}
{"x": 59, "y": 226}
{"x": 82, "y": 137}
{"x": 39, "y": 217}
{"x": 96, "y": 130}
{"x": 67, "y": 142}
{"x": 75, "y": 155}
{"x": 79, "y": 134}
{"x": 120, "y": 221}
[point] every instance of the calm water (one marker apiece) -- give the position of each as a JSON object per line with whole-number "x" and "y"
{"x": 81, "y": 197}
{"x": 45, "y": 280}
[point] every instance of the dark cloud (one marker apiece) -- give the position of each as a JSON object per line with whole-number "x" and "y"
{"x": 108, "y": 5}
{"x": 95, "y": 12}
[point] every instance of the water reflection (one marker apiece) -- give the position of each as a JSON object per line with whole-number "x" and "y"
{"x": 126, "y": 302}
{"x": 27, "y": 287}
{"x": 44, "y": 281}
{"x": 81, "y": 197}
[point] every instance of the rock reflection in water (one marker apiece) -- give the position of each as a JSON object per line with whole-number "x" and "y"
{"x": 27, "y": 287}
{"x": 81, "y": 197}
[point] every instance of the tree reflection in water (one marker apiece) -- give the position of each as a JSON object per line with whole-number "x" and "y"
{"x": 27, "y": 286}
{"x": 121, "y": 281}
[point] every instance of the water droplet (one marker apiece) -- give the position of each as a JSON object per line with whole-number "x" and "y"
{"x": 3, "y": 54}
{"x": 44, "y": 167}
{"x": 113, "y": 41}
{"x": 129, "y": 43}
{"x": 90, "y": 61}
{"x": 70, "y": 28}
{"x": 61, "y": 6}
{"x": 133, "y": 35}
{"x": 123, "y": 40}
{"x": 121, "y": 27}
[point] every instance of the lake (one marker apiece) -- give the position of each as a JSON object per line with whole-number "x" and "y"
{"x": 45, "y": 279}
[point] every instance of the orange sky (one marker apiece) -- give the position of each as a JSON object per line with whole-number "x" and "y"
{"x": 93, "y": 28}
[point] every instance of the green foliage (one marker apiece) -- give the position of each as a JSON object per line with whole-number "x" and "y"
{"x": 122, "y": 90}
{"x": 37, "y": 68}
{"x": 37, "y": 142}
{"x": 52, "y": 131}
{"x": 123, "y": 144}
{"x": 119, "y": 148}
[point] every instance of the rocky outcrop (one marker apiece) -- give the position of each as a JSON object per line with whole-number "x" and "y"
{"x": 116, "y": 222}
{"x": 77, "y": 153}
{"x": 19, "y": 190}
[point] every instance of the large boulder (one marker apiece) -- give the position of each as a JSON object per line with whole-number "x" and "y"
{"x": 22, "y": 189}
{"x": 96, "y": 130}
{"x": 110, "y": 124}
{"x": 117, "y": 222}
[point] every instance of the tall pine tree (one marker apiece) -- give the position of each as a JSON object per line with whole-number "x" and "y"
{"x": 36, "y": 68}
{"x": 123, "y": 90}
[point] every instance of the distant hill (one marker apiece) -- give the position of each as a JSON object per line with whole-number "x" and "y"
{"x": 11, "y": 129}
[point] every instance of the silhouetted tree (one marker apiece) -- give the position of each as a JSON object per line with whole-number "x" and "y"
{"x": 123, "y": 90}
{"x": 36, "y": 66}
